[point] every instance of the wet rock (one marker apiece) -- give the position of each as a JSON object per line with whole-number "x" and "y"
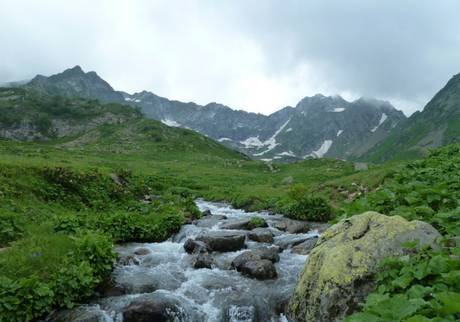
{"x": 203, "y": 260}
{"x": 261, "y": 235}
{"x": 292, "y": 226}
{"x": 207, "y": 212}
{"x": 261, "y": 269}
{"x": 338, "y": 275}
{"x": 209, "y": 221}
{"x": 258, "y": 263}
{"x": 288, "y": 241}
{"x": 195, "y": 246}
{"x": 305, "y": 247}
{"x": 236, "y": 224}
{"x": 222, "y": 241}
{"x": 81, "y": 314}
{"x": 320, "y": 227}
{"x": 245, "y": 224}
{"x": 157, "y": 309}
{"x": 270, "y": 253}
{"x": 142, "y": 251}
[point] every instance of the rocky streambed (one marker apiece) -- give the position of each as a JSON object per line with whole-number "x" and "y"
{"x": 226, "y": 266}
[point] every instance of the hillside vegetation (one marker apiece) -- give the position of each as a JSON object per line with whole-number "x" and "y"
{"x": 438, "y": 124}
{"x": 424, "y": 286}
{"x": 66, "y": 199}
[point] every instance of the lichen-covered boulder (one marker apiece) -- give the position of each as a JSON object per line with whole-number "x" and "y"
{"x": 338, "y": 273}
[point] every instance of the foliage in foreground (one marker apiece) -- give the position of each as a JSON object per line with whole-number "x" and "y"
{"x": 425, "y": 286}
{"x": 51, "y": 271}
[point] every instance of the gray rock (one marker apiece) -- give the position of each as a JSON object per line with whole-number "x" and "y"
{"x": 261, "y": 269}
{"x": 195, "y": 246}
{"x": 158, "y": 310}
{"x": 338, "y": 274}
{"x": 270, "y": 253}
{"x": 142, "y": 251}
{"x": 257, "y": 263}
{"x": 203, "y": 260}
{"x": 292, "y": 226}
{"x": 288, "y": 241}
{"x": 207, "y": 212}
{"x": 305, "y": 247}
{"x": 262, "y": 235}
{"x": 236, "y": 224}
{"x": 222, "y": 241}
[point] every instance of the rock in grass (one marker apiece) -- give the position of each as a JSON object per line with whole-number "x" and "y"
{"x": 338, "y": 274}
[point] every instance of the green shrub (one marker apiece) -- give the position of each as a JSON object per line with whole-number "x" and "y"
{"x": 11, "y": 228}
{"x": 24, "y": 299}
{"x": 257, "y": 222}
{"x": 40, "y": 273}
{"x": 424, "y": 286}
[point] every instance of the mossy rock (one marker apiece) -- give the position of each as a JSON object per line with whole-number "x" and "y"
{"x": 339, "y": 271}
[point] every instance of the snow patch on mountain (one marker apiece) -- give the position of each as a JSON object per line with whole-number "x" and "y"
{"x": 170, "y": 123}
{"x": 224, "y": 139}
{"x": 271, "y": 142}
{"x": 321, "y": 151}
{"x": 288, "y": 154}
{"x": 339, "y": 132}
{"x": 383, "y": 118}
{"x": 252, "y": 142}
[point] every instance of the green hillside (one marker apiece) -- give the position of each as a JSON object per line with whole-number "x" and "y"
{"x": 96, "y": 174}
{"x": 437, "y": 125}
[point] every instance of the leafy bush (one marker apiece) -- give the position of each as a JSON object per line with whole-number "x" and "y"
{"x": 256, "y": 222}
{"x": 46, "y": 272}
{"x": 10, "y": 228}
{"x": 424, "y": 286}
{"x": 304, "y": 206}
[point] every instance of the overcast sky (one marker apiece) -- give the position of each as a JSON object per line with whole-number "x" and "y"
{"x": 256, "y": 55}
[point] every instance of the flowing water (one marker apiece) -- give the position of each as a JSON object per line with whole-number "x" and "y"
{"x": 217, "y": 294}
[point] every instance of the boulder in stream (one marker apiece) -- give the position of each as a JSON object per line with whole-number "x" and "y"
{"x": 222, "y": 241}
{"x": 305, "y": 247}
{"x": 158, "y": 308}
{"x": 203, "y": 260}
{"x": 142, "y": 251}
{"x": 258, "y": 263}
{"x": 261, "y": 235}
{"x": 195, "y": 246}
{"x": 244, "y": 224}
{"x": 292, "y": 226}
{"x": 338, "y": 274}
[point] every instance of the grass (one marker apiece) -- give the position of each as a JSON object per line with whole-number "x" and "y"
{"x": 63, "y": 202}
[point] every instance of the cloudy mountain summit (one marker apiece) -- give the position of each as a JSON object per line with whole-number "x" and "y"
{"x": 318, "y": 126}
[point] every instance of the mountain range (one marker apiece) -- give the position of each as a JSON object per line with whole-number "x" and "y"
{"x": 318, "y": 126}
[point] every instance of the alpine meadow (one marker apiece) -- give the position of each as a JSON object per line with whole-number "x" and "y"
{"x": 328, "y": 189}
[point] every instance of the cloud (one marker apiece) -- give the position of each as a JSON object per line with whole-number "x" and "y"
{"x": 248, "y": 54}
